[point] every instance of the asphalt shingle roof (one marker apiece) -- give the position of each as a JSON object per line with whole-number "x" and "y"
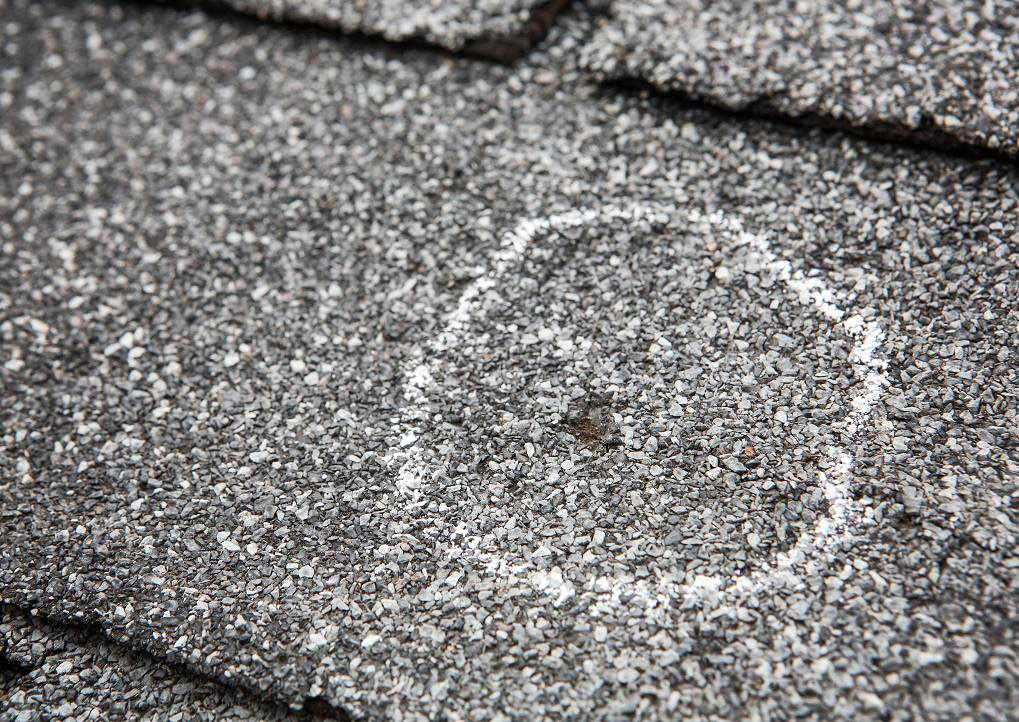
{"x": 396, "y": 385}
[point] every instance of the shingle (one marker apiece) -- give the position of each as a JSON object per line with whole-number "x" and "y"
{"x": 497, "y": 29}
{"x": 932, "y": 72}
{"x": 67, "y": 671}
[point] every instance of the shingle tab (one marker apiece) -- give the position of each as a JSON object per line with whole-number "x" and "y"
{"x": 497, "y": 29}
{"x": 944, "y": 73}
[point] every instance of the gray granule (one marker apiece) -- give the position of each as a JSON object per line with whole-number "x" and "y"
{"x": 412, "y": 387}
{"x": 934, "y": 72}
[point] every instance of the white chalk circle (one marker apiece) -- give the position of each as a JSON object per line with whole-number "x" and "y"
{"x": 813, "y": 548}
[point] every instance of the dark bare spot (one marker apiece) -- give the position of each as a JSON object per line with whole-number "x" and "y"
{"x": 587, "y": 430}
{"x": 592, "y": 424}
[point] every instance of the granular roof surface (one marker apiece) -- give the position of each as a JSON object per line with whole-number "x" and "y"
{"x": 945, "y": 73}
{"x": 497, "y": 29}
{"x": 356, "y": 380}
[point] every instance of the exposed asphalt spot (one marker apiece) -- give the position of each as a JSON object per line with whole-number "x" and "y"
{"x": 593, "y": 424}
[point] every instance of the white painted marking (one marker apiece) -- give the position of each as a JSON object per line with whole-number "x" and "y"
{"x": 814, "y": 547}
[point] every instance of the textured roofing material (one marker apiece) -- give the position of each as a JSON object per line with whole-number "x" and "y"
{"x": 497, "y": 29}
{"x": 945, "y": 73}
{"x": 55, "y": 672}
{"x": 412, "y": 387}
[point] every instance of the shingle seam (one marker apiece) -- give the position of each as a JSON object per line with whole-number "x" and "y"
{"x": 927, "y": 139}
{"x": 92, "y": 634}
